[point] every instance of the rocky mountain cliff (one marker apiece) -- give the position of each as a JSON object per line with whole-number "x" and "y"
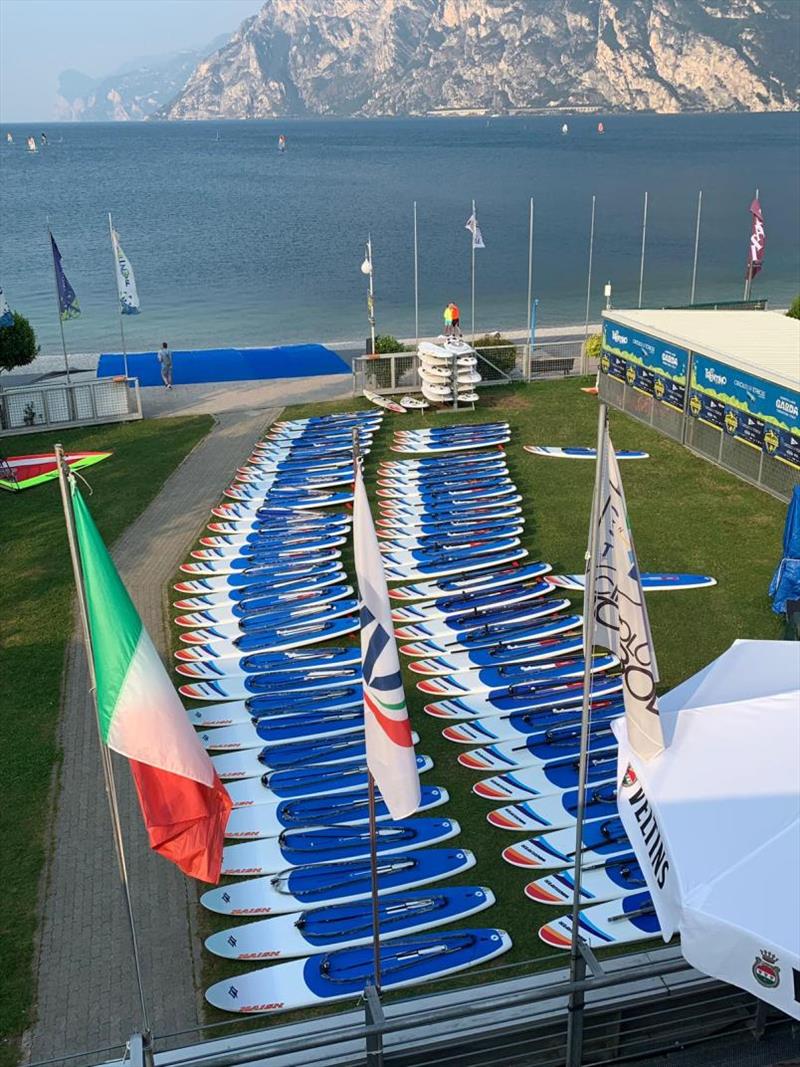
{"x": 133, "y": 92}
{"x": 416, "y": 57}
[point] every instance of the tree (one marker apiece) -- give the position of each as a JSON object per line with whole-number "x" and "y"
{"x": 386, "y": 345}
{"x": 496, "y": 349}
{"x": 794, "y": 309}
{"x": 594, "y": 346}
{"x": 18, "y": 345}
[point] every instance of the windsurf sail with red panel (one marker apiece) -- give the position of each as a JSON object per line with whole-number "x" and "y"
{"x": 22, "y": 472}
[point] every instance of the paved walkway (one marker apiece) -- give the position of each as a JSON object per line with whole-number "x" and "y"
{"x": 86, "y": 991}
{"x": 220, "y": 397}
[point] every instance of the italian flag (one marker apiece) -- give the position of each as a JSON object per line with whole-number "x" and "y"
{"x": 184, "y": 804}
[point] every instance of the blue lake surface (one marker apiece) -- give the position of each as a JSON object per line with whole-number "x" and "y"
{"x": 236, "y": 244}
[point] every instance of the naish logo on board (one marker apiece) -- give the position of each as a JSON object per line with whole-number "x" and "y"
{"x": 619, "y": 338}
{"x": 766, "y": 970}
{"x": 715, "y": 377}
{"x": 651, "y": 835}
{"x": 787, "y": 407}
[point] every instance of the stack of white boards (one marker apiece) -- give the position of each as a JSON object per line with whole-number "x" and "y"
{"x": 280, "y": 710}
{"x": 448, "y": 371}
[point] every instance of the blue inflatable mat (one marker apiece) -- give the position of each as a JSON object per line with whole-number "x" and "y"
{"x": 227, "y": 364}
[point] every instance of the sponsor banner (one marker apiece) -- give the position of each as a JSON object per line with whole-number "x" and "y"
{"x": 645, "y": 363}
{"x": 641, "y": 825}
{"x": 759, "y": 413}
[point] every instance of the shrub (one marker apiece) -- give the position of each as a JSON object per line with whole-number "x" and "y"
{"x": 594, "y": 346}
{"x": 385, "y": 344}
{"x": 17, "y": 343}
{"x": 794, "y": 309}
{"x": 499, "y": 351}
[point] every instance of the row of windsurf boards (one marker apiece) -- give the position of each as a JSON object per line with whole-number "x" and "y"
{"x": 504, "y": 662}
{"x": 280, "y": 711}
{"x": 281, "y": 708}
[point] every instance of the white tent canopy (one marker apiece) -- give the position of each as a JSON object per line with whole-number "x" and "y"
{"x": 715, "y": 818}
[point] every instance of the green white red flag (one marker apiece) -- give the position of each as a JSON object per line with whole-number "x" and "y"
{"x": 184, "y": 805}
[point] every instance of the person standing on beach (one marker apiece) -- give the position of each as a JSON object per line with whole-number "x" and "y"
{"x": 455, "y": 319}
{"x": 165, "y": 359}
{"x": 448, "y": 320}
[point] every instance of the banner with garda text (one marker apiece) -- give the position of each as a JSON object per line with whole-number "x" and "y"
{"x": 68, "y": 305}
{"x": 620, "y": 621}
{"x": 391, "y": 758}
{"x": 126, "y": 282}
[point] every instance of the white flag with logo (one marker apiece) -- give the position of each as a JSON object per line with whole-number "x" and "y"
{"x": 475, "y": 230}
{"x": 126, "y": 283}
{"x": 390, "y": 749}
{"x": 620, "y": 620}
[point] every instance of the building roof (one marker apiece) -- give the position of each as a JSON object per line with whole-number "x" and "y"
{"x": 764, "y": 343}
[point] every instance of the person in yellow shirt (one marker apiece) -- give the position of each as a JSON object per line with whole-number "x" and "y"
{"x": 448, "y": 320}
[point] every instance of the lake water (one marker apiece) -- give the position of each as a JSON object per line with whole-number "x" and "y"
{"x": 235, "y": 244}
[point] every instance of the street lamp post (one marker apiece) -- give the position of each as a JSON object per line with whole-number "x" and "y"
{"x": 366, "y": 268}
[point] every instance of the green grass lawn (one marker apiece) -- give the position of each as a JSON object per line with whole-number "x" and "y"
{"x": 35, "y": 606}
{"x": 686, "y": 514}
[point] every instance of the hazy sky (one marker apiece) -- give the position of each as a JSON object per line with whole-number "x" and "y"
{"x": 40, "y": 38}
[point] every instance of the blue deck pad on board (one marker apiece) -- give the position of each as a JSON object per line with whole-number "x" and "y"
{"x": 227, "y": 364}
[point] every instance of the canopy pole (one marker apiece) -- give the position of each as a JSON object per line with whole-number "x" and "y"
{"x": 577, "y": 964}
{"x": 105, "y": 754}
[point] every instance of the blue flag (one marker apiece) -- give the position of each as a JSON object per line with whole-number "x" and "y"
{"x": 68, "y": 305}
{"x": 6, "y": 315}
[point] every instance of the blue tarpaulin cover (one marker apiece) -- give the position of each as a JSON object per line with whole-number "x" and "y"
{"x": 785, "y": 584}
{"x": 227, "y": 364}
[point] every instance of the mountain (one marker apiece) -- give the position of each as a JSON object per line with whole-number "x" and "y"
{"x": 134, "y": 91}
{"x": 416, "y": 57}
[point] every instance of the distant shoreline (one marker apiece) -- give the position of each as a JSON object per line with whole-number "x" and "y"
{"x": 466, "y": 114}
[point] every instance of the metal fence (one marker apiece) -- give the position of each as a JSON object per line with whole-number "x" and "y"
{"x": 750, "y": 464}
{"x": 40, "y": 406}
{"x": 638, "y": 1009}
{"x": 398, "y": 372}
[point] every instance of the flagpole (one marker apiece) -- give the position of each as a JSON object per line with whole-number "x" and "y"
{"x": 748, "y": 281}
{"x": 58, "y": 305}
{"x": 371, "y": 307}
{"x": 530, "y": 270}
{"x": 575, "y": 1016}
{"x": 644, "y": 240}
{"x": 589, "y": 279}
{"x": 696, "y": 244}
{"x": 105, "y": 755}
{"x": 473, "y": 272}
{"x": 416, "y": 278}
{"x": 121, "y": 316}
{"x": 373, "y": 831}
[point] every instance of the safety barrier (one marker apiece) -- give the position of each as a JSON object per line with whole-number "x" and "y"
{"x": 750, "y": 464}
{"x": 42, "y": 406}
{"x": 637, "y": 1009}
{"x": 398, "y": 372}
